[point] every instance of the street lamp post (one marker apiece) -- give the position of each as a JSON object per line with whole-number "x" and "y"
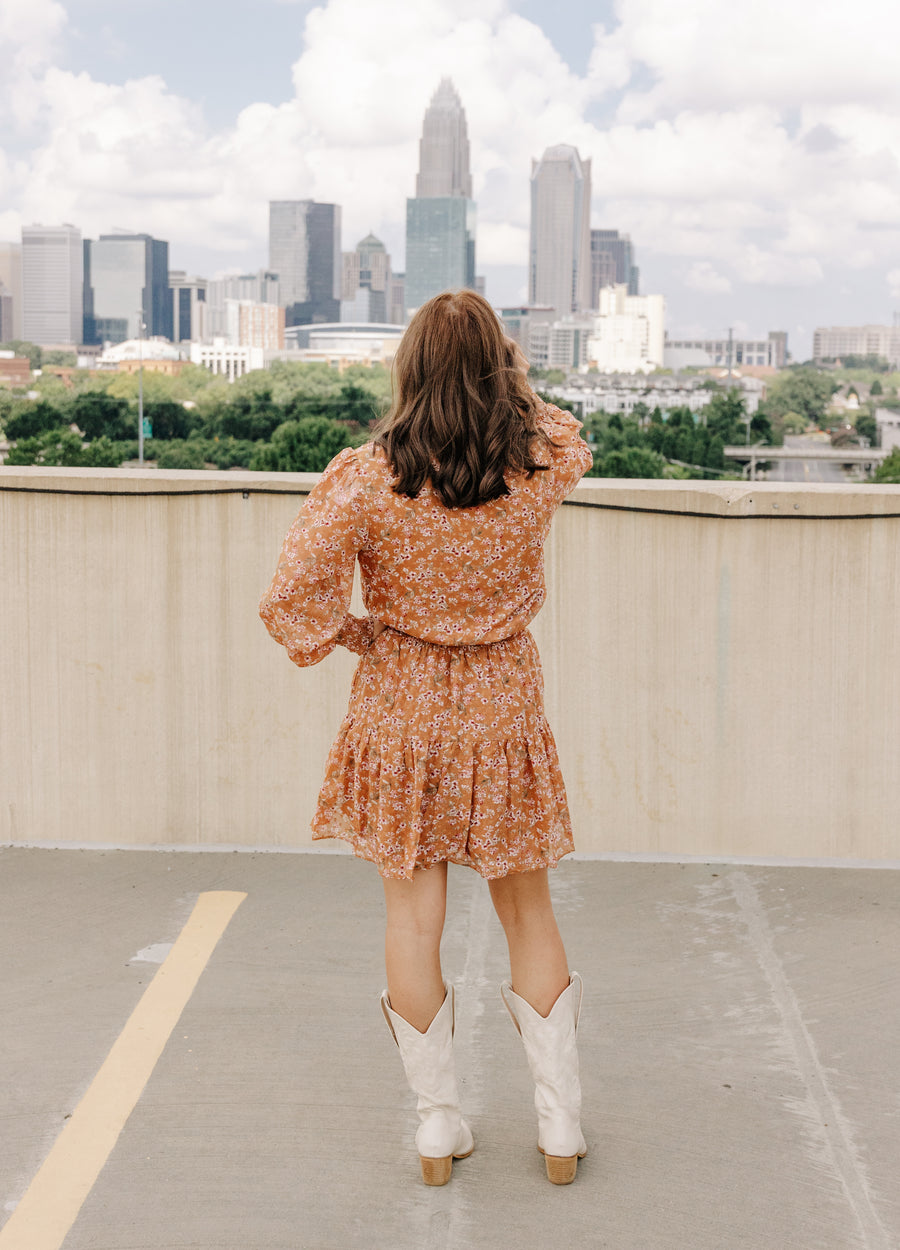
{"x": 141, "y": 386}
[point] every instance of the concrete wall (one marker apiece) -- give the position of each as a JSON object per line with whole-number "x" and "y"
{"x": 722, "y": 665}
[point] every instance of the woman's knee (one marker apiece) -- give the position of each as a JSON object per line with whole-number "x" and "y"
{"x": 522, "y": 899}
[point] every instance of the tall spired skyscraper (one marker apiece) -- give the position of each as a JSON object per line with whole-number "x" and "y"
{"x": 559, "y": 269}
{"x": 440, "y": 220}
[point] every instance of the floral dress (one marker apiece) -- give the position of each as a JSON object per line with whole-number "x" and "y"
{"x": 445, "y": 752}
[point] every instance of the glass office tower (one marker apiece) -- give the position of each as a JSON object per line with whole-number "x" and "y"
{"x": 305, "y": 252}
{"x": 126, "y": 276}
{"x": 440, "y": 220}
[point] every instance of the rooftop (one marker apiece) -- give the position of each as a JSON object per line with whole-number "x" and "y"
{"x": 738, "y": 1052}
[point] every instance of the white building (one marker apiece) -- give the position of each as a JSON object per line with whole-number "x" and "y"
{"x": 621, "y": 393}
{"x": 888, "y": 428}
{"x": 628, "y": 332}
{"x": 52, "y": 285}
{"x": 770, "y": 352}
{"x": 836, "y": 342}
{"x": 343, "y": 342}
{"x": 115, "y": 354}
{"x": 227, "y": 359}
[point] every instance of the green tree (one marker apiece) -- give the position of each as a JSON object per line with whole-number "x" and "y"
{"x": 806, "y": 391}
{"x": 303, "y": 446}
{"x": 876, "y": 388}
{"x": 168, "y": 418}
{"x": 68, "y": 360}
{"x": 96, "y": 413}
{"x": 725, "y": 416}
{"x": 103, "y": 453}
{"x": 32, "y": 419}
{"x": 867, "y": 427}
{"x": 793, "y": 423}
{"x": 34, "y": 353}
{"x": 889, "y": 469}
{"x": 188, "y": 454}
{"x": 249, "y": 414}
{"x": 60, "y": 447}
{"x": 631, "y": 462}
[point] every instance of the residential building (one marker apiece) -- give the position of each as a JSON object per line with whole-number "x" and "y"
{"x": 366, "y": 281}
{"x": 612, "y": 262}
{"x": 189, "y": 307}
{"x": 621, "y": 393}
{"x": 769, "y": 352}
{"x": 52, "y": 281}
{"x": 14, "y": 369}
{"x": 126, "y": 280}
{"x": 262, "y": 287}
{"x": 628, "y": 332}
{"x": 11, "y": 280}
{"x": 888, "y": 422}
{"x": 836, "y": 342}
{"x": 305, "y": 253}
{"x": 250, "y": 324}
{"x": 559, "y": 269}
{"x": 440, "y": 220}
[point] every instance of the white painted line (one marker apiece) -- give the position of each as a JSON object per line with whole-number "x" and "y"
{"x": 52, "y": 1201}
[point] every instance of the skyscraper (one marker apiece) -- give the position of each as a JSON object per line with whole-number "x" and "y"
{"x": 612, "y": 263}
{"x": 440, "y": 220}
{"x": 305, "y": 252}
{"x": 188, "y": 307}
{"x": 126, "y": 278}
{"x": 52, "y": 276}
{"x": 366, "y": 281}
{"x": 11, "y": 279}
{"x": 559, "y": 269}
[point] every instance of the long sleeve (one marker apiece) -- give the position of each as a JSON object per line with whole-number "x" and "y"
{"x": 305, "y": 608}
{"x": 571, "y": 458}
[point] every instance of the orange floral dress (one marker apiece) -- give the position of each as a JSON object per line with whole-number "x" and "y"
{"x": 445, "y": 752}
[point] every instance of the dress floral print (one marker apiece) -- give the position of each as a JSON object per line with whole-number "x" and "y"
{"x": 445, "y": 752}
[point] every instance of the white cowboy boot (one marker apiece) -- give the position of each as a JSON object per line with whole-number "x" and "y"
{"x": 553, "y": 1059}
{"x": 443, "y": 1134}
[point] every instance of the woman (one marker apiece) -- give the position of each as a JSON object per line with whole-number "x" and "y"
{"x": 445, "y": 754}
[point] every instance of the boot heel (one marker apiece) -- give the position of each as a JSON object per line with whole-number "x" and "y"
{"x": 561, "y": 1171}
{"x": 436, "y": 1171}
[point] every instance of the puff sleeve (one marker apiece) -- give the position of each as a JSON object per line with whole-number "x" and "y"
{"x": 305, "y": 608}
{"x": 570, "y": 458}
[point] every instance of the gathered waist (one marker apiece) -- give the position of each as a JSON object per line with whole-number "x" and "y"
{"x": 520, "y": 634}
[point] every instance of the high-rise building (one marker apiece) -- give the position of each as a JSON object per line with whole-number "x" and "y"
{"x": 440, "y": 220}
{"x": 612, "y": 263}
{"x": 397, "y": 299}
{"x": 444, "y": 147}
{"x": 559, "y": 271}
{"x": 188, "y": 307}
{"x": 366, "y": 281}
{"x": 52, "y": 278}
{"x": 262, "y": 287}
{"x": 305, "y": 252}
{"x": 11, "y": 280}
{"x": 126, "y": 278}
{"x": 250, "y": 324}
{"x": 835, "y": 342}
{"x": 628, "y": 333}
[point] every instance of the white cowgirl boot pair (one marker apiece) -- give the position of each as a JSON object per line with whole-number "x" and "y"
{"x": 443, "y": 1134}
{"x": 553, "y": 1059}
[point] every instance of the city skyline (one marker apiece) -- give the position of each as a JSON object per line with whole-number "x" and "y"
{"x": 754, "y": 199}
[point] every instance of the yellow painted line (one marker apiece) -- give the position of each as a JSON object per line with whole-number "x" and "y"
{"x": 52, "y": 1201}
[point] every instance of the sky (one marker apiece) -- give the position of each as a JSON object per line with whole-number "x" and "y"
{"x": 752, "y": 150}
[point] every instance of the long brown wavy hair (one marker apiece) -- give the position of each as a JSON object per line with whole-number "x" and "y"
{"x": 463, "y": 414}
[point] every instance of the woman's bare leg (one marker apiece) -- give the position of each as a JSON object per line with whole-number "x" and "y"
{"x": 537, "y": 958}
{"x": 412, "y": 944}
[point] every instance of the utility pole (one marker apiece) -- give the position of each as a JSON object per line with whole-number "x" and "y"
{"x": 141, "y": 387}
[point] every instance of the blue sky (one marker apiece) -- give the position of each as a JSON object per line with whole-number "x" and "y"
{"x": 751, "y": 150}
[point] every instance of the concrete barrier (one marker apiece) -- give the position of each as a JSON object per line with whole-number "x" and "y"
{"x": 722, "y": 665}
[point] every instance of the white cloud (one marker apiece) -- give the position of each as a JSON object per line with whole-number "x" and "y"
{"x": 704, "y": 277}
{"x": 756, "y": 144}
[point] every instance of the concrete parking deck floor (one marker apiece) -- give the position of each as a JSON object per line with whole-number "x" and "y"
{"x": 739, "y": 1046}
